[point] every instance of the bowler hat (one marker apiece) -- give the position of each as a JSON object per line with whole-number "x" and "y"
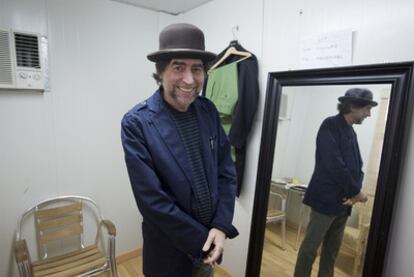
{"x": 358, "y": 95}
{"x": 181, "y": 40}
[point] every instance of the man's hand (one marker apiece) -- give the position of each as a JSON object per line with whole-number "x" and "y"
{"x": 216, "y": 238}
{"x": 360, "y": 197}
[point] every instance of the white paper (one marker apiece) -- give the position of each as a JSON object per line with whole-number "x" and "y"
{"x": 326, "y": 50}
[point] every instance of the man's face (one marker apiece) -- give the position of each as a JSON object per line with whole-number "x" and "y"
{"x": 359, "y": 114}
{"x": 182, "y": 80}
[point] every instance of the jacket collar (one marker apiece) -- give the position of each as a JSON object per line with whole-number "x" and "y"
{"x": 155, "y": 102}
{"x": 165, "y": 126}
{"x": 342, "y": 120}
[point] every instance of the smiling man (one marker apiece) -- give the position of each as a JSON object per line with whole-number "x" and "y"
{"x": 179, "y": 164}
{"x": 335, "y": 184}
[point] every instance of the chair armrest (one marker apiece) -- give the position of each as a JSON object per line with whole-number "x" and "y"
{"x": 109, "y": 226}
{"x": 111, "y": 244}
{"x": 23, "y": 261}
{"x": 282, "y": 199}
{"x": 21, "y": 251}
{"x": 279, "y": 195}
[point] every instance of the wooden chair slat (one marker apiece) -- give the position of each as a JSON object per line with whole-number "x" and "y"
{"x": 69, "y": 231}
{"x": 59, "y": 222}
{"x": 74, "y": 268}
{"x": 59, "y": 211}
{"x": 59, "y": 228}
{"x": 87, "y": 251}
{"x": 75, "y": 262}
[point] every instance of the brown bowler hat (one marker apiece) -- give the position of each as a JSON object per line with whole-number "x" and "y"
{"x": 181, "y": 40}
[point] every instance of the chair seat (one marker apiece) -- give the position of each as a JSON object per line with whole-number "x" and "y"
{"x": 70, "y": 264}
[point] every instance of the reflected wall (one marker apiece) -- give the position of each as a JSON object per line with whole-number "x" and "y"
{"x": 302, "y": 110}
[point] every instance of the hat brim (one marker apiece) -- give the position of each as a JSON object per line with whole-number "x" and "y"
{"x": 164, "y": 55}
{"x": 358, "y": 100}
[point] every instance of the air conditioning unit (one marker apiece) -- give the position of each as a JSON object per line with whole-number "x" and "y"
{"x": 20, "y": 61}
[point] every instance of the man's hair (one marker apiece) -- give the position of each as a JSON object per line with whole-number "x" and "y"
{"x": 345, "y": 107}
{"x": 160, "y": 68}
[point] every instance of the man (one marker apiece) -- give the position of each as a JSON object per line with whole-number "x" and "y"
{"x": 179, "y": 164}
{"x": 335, "y": 184}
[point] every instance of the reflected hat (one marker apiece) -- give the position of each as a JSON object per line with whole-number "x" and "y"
{"x": 181, "y": 40}
{"x": 358, "y": 95}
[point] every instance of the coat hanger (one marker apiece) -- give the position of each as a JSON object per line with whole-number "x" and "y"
{"x": 231, "y": 51}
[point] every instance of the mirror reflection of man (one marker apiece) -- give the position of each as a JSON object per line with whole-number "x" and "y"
{"x": 335, "y": 184}
{"x": 179, "y": 163}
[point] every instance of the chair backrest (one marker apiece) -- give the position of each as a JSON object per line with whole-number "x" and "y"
{"x": 277, "y": 203}
{"x": 58, "y": 220}
{"x": 278, "y": 196}
{"x": 58, "y": 223}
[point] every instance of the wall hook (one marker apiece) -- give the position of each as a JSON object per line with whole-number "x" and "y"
{"x": 234, "y": 30}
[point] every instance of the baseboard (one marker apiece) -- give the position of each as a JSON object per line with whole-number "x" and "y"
{"x": 129, "y": 255}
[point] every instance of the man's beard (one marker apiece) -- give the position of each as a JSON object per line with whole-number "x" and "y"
{"x": 181, "y": 100}
{"x": 359, "y": 120}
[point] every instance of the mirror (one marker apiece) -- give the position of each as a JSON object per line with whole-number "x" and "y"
{"x": 302, "y": 110}
{"x": 296, "y": 104}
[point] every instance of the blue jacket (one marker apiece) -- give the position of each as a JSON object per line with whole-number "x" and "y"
{"x": 338, "y": 167}
{"x": 160, "y": 176}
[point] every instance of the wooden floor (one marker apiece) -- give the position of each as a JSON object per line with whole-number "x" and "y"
{"x": 133, "y": 268}
{"x": 276, "y": 262}
{"x": 281, "y": 263}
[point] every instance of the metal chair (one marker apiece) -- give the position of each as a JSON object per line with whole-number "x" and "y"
{"x": 277, "y": 214}
{"x": 59, "y": 224}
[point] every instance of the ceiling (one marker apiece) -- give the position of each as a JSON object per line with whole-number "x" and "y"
{"x": 168, "y": 6}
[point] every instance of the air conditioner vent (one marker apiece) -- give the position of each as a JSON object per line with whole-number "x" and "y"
{"x": 23, "y": 57}
{"x": 27, "y": 51}
{"x": 6, "y": 74}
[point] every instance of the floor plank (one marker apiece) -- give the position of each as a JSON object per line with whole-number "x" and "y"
{"x": 281, "y": 263}
{"x": 133, "y": 268}
{"x": 275, "y": 260}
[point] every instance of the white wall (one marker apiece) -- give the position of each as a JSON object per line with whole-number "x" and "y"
{"x": 296, "y": 137}
{"x": 67, "y": 141}
{"x": 272, "y": 30}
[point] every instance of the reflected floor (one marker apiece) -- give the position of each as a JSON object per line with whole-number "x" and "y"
{"x": 281, "y": 263}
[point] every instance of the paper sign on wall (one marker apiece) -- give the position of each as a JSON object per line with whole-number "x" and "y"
{"x": 327, "y": 50}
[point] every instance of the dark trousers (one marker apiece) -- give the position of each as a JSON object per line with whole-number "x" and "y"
{"x": 205, "y": 270}
{"x": 321, "y": 228}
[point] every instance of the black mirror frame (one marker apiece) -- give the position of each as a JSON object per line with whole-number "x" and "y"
{"x": 400, "y": 76}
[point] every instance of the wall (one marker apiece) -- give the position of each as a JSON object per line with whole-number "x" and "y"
{"x": 272, "y": 30}
{"x": 67, "y": 141}
{"x": 296, "y": 139}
